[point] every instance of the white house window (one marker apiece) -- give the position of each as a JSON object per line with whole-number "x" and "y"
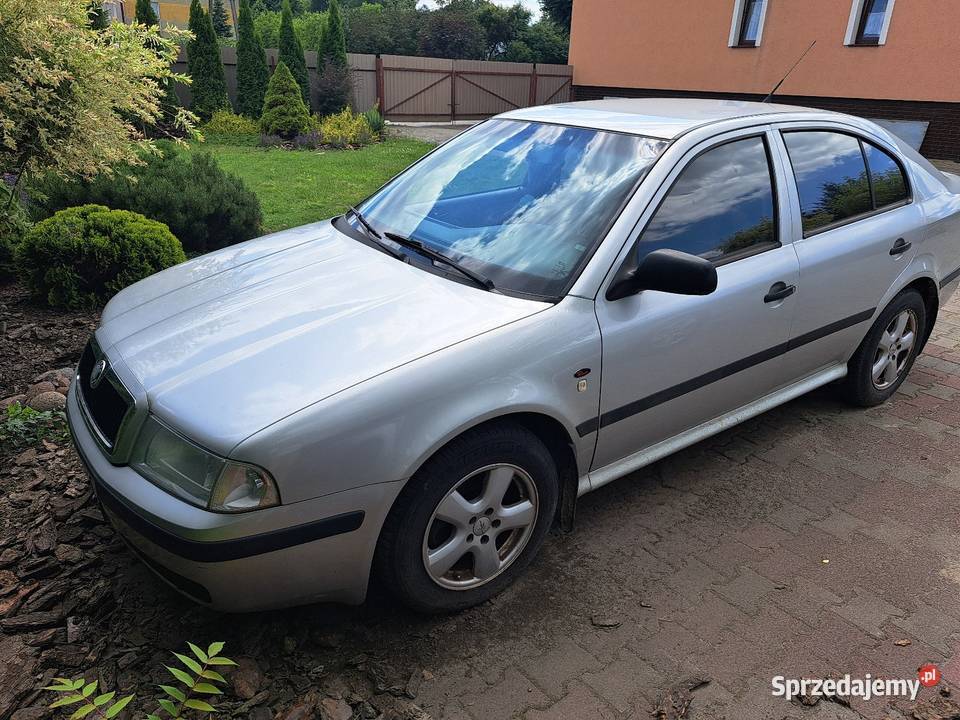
{"x": 869, "y": 22}
{"x": 747, "y": 26}
{"x": 156, "y": 9}
{"x": 114, "y": 10}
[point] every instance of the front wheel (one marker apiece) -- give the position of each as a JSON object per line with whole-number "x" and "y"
{"x": 470, "y": 520}
{"x": 887, "y": 353}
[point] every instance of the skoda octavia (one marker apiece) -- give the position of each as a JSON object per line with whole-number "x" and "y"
{"x": 415, "y": 391}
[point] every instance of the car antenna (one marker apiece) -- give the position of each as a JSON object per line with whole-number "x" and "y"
{"x": 776, "y": 87}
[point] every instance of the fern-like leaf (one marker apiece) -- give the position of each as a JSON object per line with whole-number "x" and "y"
{"x": 201, "y": 655}
{"x": 199, "y": 705}
{"x": 192, "y": 664}
{"x": 120, "y": 705}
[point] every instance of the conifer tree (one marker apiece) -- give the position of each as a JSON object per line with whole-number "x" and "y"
{"x": 209, "y": 87}
{"x": 145, "y": 14}
{"x": 333, "y": 42}
{"x": 291, "y": 52}
{"x": 284, "y": 112}
{"x": 218, "y": 15}
{"x": 252, "y": 72}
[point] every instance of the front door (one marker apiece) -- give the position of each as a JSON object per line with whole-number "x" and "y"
{"x": 672, "y": 362}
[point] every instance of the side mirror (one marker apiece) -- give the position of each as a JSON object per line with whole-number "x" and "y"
{"x": 669, "y": 271}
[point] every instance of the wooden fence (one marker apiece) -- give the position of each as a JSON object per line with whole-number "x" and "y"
{"x": 431, "y": 89}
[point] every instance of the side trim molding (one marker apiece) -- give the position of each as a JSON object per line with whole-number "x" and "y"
{"x": 619, "y": 468}
{"x": 671, "y": 393}
{"x": 950, "y": 278}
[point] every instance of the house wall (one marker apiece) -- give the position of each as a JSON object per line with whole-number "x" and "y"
{"x": 645, "y": 48}
{"x": 683, "y": 45}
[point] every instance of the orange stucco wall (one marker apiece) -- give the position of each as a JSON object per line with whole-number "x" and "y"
{"x": 682, "y": 45}
{"x": 176, "y": 12}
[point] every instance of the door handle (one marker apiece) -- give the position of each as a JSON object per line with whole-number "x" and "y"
{"x": 900, "y": 247}
{"x": 779, "y": 291}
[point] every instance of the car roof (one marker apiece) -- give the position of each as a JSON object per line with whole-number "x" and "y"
{"x": 664, "y": 118}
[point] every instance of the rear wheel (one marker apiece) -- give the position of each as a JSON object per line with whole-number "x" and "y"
{"x": 470, "y": 520}
{"x": 887, "y": 353}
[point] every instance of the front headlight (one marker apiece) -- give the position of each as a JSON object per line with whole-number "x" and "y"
{"x": 197, "y": 476}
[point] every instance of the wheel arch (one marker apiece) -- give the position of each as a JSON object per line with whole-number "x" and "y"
{"x": 554, "y": 435}
{"x": 929, "y": 291}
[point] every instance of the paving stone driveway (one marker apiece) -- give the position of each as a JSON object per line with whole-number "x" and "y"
{"x": 805, "y": 543}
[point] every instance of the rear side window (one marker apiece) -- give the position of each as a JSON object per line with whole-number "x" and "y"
{"x": 831, "y": 177}
{"x": 721, "y": 206}
{"x": 840, "y": 177}
{"x": 889, "y": 184}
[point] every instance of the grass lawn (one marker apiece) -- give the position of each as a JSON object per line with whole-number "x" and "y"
{"x": 296, "y": 187}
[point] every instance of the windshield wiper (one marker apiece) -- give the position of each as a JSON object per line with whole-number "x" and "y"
{"x": 376, "y": 236}
{"x": 482, "y": 281}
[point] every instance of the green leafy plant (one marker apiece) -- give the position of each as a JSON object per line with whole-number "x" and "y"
{"x": 284, "y": 112}
{"x": 82, "y": 256}
{"x": 23, "y": 427}
{"x": 192, "y": 691}
{"x": 345, "y": 129}
{"x": 375, "y": 120}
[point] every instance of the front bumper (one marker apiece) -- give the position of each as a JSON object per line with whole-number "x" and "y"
{"x": 311, "y": 551}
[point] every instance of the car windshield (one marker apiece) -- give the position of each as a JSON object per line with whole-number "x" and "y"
{"x": 522, "y": 204}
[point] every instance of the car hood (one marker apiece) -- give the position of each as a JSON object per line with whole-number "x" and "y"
{"x": 229, "y": 343}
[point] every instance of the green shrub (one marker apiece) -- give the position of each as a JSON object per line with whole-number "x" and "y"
{"x": 13, "y": 226}
{"x": 82, "y": 256}
{"x": 345, "y": 129}
{"x": 205, "y": 207}
{"x": 375, "y": 120}
{"x": 333, "y": 88}
{"x": 227, "y": 124}
{"x": 284, "y": 112}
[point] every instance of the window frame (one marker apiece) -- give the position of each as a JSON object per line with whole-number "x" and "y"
{"x": 873, "y": 200}
{"x": 775, "y": 192}
{"x": 858, "y": 20}
{"x": 738, "y": 24}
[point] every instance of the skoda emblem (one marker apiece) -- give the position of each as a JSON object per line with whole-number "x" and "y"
{"x": 96, "y": 375}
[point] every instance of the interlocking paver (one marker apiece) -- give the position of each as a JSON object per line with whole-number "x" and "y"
{"x": 713, "y": 561}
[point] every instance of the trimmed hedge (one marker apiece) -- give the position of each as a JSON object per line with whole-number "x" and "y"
{"x": 205, "y": 207}
{"x": 82, "y": 256}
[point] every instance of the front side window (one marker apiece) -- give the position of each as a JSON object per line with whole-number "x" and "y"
{"x": 872, "y": 16}
{"x": 521, "y": 203}
{"x": 721, "y": 206}
{"x": 750, "y": 23}
{"x": 831, "y": 177}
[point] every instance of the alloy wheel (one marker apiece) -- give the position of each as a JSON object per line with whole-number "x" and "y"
{"x": 894, "y": 350}
{"x": 480, "y": 527}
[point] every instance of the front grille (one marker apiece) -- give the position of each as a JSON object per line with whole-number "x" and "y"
{"x": 105, "y": 405}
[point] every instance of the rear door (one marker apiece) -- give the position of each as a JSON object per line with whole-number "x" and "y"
{"x": 671, "y": 362}
{"x": 856, "y": 231}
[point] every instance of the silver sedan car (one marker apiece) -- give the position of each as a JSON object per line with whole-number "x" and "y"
{"x": 416, "y": 391}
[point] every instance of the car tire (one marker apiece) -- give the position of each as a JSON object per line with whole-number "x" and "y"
{"x": 883, "y": 360}
{"x": 449, "y": 508}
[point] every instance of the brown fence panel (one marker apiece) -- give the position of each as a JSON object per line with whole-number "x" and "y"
{"x": 487, "y": 88}
{"x": 426, "y": 89}
{"x": 417, "y": 88}
{"x": 363, "y": 74}
{"x": 554, "y": 84}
